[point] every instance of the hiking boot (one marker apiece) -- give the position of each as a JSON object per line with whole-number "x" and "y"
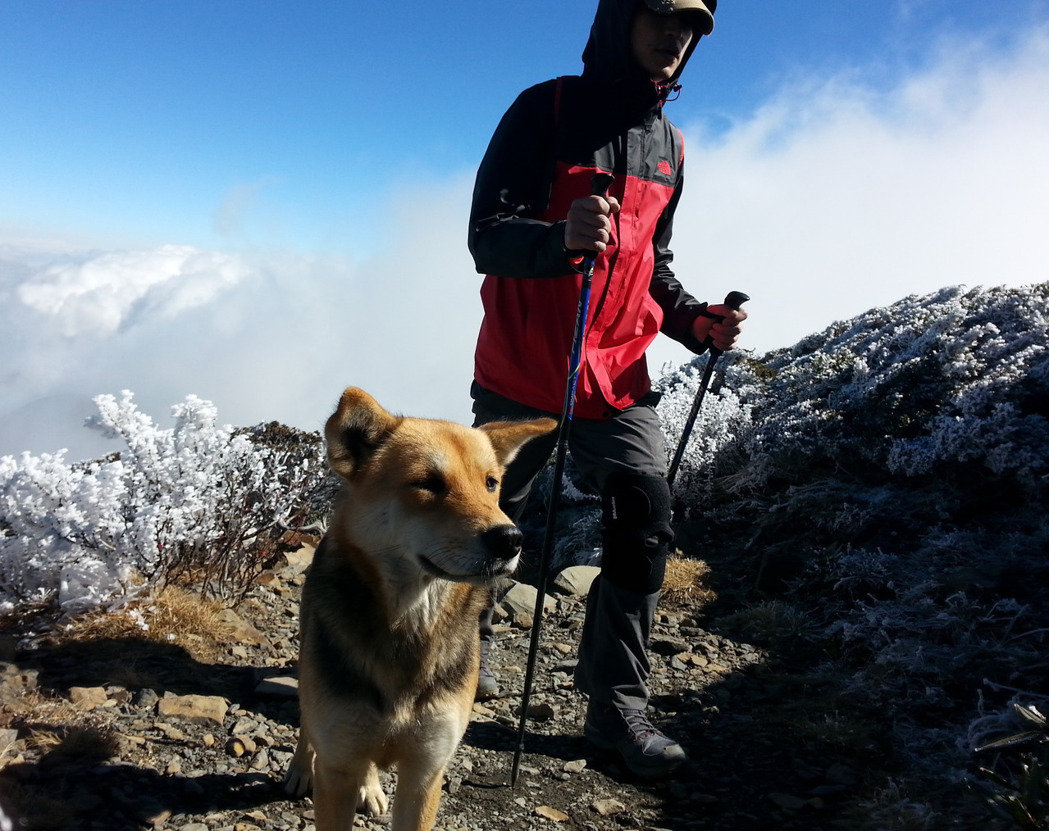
{"x": 487, "y": 680}
{"x": 646, "y": 751}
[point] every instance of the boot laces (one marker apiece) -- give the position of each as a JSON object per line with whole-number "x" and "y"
{"x": 639, "y": 725}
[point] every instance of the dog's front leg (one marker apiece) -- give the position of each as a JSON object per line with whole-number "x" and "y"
{"x": 417, "y": 797}
{"x": 336, "y": 793}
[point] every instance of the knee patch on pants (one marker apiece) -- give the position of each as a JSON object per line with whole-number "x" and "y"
{"x": 637, "y": 531}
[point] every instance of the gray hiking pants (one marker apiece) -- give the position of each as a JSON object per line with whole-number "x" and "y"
{"x": 624, "y": 458}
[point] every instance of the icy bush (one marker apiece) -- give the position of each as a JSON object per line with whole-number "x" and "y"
{"x": 930, "y": 383}
{"x": 890, "y": 475}
{"x": 196, "y": 502}
{"x": 725, "y": 416}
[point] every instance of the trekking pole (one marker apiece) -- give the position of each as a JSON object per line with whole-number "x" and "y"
{"x": 599, "y": 185}
{"x": 733, "y": 300}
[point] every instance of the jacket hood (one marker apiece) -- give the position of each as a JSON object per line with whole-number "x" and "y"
{"x": 608, "y": 55}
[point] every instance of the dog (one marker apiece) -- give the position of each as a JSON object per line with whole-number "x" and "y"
{"x": 389, "y": 645}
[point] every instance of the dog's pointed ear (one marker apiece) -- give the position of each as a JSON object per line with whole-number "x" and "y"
{"x": 356, "y": 430}
{"x": 508, "y": 437}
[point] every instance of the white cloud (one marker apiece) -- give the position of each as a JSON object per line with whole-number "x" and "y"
{"x": 274, "y": 336}
{"x": 833, "y": 198}
{"x": 836, "y": 197}
{"x": 100, "y": 294}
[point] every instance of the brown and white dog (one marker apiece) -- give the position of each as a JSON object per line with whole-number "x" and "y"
{"x": 389, "y": 647}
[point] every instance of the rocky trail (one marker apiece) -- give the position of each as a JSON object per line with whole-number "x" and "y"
{"x": 127, "y": 733}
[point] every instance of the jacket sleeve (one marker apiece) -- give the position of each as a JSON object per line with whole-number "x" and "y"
{"x": 680, "y": 309}
{"x": 512, "y": 188}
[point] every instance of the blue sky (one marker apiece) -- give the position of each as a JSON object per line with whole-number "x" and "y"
{"x": 260, "y": 202}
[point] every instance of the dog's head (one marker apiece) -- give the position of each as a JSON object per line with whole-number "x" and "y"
{"x": 423, "y": 495}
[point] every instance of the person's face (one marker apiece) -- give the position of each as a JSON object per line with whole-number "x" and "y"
{"x": 659, "y": 42}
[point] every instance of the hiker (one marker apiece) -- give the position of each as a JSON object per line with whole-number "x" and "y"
{"x": 533, "y": 218}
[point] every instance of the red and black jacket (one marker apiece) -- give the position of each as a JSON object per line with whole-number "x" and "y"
{"x": 541, "y": 158}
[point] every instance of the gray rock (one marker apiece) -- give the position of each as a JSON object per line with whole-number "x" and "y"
{"x": 200, "y": 709}
{"x": 520, "y": 601}
{"x": 576, "y": 580}
{"x": 283, "y": 686}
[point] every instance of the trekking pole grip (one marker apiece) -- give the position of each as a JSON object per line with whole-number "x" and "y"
{"x": 734, "y": 300}
{"x": 600, "y": 183}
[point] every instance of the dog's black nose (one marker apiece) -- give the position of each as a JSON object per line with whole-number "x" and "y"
{"x": 503, "y": 541}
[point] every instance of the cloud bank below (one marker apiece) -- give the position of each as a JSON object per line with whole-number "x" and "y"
{"x": 833, "y": 197}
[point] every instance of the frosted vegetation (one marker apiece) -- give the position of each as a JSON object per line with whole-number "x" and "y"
{"x": 884, "y": 483}
{"x": 878, "y": 492}
{"x": 197, "y": 501}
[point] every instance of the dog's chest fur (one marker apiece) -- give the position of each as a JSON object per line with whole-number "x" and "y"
{"x": 390, "y": 665}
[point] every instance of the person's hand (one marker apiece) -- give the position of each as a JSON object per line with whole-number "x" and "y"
{"x": 589, "y": 224}
{"x": 722, "y": 333}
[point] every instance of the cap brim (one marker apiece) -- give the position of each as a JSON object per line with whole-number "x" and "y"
{"x": 698, "y": 10}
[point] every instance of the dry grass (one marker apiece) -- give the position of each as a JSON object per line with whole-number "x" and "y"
{"x": 684, "y": 583}
{"x": 74, "y": 742}
{"x": 32, "y": 704}
{"x": 175, "y": 616}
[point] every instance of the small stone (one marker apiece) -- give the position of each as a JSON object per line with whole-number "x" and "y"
{"x": 552, "y": 813}
{"x": 240, "y": 629}
{"x": 608, "y": 807}
{"x": 145, "y": 698}
{"x": 261, "y": 760}
{"x": 520, "y": 601}
{"x": 88, "y": 698}
{"x": 238, "y": 746}
{"x": 575, "y": 766}
{"x": 199, "y": 709}
{"x": 283, "y": 686}
{"x": 170, "y": 731}
{"x": 576, "y": 580}
{"x": 667, "y": 645}
{"x": 243, "y": 726}
{"x": 680, "y": 662}
{"x": 541, "y": 711}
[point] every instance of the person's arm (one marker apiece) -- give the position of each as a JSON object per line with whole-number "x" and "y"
{"x": 512, "y": 186}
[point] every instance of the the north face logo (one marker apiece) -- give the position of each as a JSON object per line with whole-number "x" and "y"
{"x": 664, "y": 167}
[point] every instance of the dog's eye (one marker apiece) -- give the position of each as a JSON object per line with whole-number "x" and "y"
{"x": 492, "y": 484}
{"x": 434, "y": 483}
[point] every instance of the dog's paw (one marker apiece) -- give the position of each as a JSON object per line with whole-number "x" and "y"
{"x": 371, "y": 799}
{"x": 297, "y": 780}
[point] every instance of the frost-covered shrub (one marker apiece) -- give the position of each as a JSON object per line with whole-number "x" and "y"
{"x": 724, "y": 418}
{"x": 959, "y": 377}
{"x": 890, "y": 476}
{"x": 196, "y": 501}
